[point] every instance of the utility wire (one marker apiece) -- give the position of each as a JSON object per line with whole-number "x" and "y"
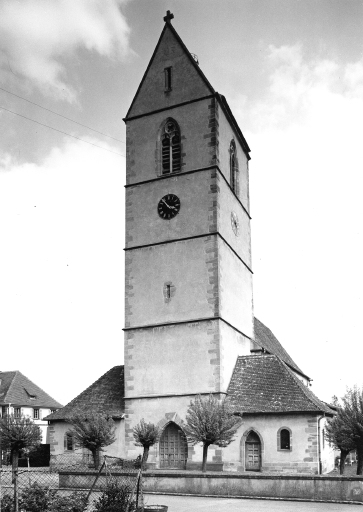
{"x": 60, "y": 131}
{"x": 60, "y": 115}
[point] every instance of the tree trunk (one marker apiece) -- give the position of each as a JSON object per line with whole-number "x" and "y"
{"x": 360, "y": 460}
{"x": 145, "y": 455}
{"x": 15, "y": 464}
{"x": 96, "y": 457}
{"x": 343, "y": 455}
{"x": 205, "y": 453}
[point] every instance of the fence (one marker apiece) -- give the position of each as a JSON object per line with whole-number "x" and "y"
{"x": 121, "y": 480}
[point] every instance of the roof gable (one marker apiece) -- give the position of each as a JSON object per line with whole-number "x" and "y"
{"x": 265, "y": 339}
{"x": 16, "y": 389}
{"x": 265, "y": 384}
{"x": 188, "y": 81}
{"x": 106, "y": 395}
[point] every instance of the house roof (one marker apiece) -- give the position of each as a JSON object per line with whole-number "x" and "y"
{"x": 265, "y": 384}
{"x": 18, "y": 390}
{"x": 265, "y": 339}
{"x": 106, "y": 395}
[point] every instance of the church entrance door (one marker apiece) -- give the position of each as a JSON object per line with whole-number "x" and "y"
{"x": 173, "y": 448}
{"x": 253, "y": 452}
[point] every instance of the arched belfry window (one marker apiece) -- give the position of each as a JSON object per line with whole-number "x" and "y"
{"x": 233, "y": 164}
{"x": 170, "y": 147}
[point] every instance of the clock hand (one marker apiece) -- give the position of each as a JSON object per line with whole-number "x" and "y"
{"x": 165, "y": 203}
{"x": 168, "y": 205}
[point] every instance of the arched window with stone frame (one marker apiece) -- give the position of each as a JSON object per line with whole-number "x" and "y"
{"x": 284, "y": 439}
{"x": 233, "y": 166}
{"x": 170, "y": 147}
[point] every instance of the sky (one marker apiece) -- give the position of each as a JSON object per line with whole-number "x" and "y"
{"x": 292, "y": 73}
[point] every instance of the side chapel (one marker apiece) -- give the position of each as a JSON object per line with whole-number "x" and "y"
{"x": 189, "y": 323}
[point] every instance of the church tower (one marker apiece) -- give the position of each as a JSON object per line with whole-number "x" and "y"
{"x": 188, "y": 277}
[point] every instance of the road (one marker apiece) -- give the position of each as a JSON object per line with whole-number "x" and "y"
{"x": 199, "y": 504}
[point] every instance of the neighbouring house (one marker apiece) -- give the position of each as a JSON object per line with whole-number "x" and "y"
{"x": 105, "y": 396}
{"x": 21, "y": 397}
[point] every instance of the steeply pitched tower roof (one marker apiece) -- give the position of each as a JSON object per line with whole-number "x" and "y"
{"x": 105, "y": 396}
{"x": 265, "y": 384}
{"x": 189, "y": 82}
{"x": 18, "y": 390}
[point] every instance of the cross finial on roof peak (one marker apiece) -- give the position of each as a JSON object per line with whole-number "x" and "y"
{"x": 169, "y": 16}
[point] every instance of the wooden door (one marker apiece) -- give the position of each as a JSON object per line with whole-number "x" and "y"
{"x": 253, "y": 452}
{"x": 173, "y": 448}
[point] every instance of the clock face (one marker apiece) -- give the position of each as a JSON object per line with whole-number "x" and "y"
{"x": 168, "y": 206}
{"x": 235, "y": 223}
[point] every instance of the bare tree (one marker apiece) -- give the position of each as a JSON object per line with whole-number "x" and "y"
{"x": 210, "y": 421}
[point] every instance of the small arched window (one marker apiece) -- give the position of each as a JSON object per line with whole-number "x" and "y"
{"x": 170, "y": 148}
{"x": 233, "y": 164}
{"x": 284, "y": 441}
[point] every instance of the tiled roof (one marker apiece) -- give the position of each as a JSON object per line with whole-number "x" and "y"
{"x": 18, "y": 390}
{"x": 265, "y": 384}
{"x": 268, "y": 341}
{"x": 106, "y": 395}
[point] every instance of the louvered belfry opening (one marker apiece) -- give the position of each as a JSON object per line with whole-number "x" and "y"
{"x": 171, "y": 150}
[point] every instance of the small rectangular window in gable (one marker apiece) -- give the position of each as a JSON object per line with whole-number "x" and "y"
{"x": 167, "y": 73}
{"x": 36, "y": 414}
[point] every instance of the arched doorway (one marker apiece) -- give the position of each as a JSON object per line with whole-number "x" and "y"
{"x": 253, "y": 452}
{"x": 173, "y": 447}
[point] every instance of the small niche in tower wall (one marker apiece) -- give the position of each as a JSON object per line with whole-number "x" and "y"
{"x": 168, "y": 291}
{"x": 167, "y": 72}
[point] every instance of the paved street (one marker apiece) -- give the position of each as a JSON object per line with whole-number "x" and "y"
{"x": 191, "y": 504}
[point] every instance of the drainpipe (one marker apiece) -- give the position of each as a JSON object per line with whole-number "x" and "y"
{"x": 319, "y": 446}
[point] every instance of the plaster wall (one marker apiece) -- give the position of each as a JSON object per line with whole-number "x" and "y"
{"x": 161, "y": 411}
{"x": 327, "y": 451}
{"x": 228, "y": 203}
{"x": 172, "y": 359}
{"x": 189, "y": 267}
{"x": 143, "y": 140}
{"x": 29, "y": 413}
{"x": 58, "y": 430}
{"x": 226, "y": 134}
{"x": 232, "y": 345}
{"x": 303, "y": 456}
{"x": 197, "y": 193}
{"x": 235, "y": 288}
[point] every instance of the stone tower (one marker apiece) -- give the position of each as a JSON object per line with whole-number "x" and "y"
{"x": 188, "y": 282}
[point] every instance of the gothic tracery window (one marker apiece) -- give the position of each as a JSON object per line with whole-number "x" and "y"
{"x": 170, "y": 148}
{"x": 233, "y": 167}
